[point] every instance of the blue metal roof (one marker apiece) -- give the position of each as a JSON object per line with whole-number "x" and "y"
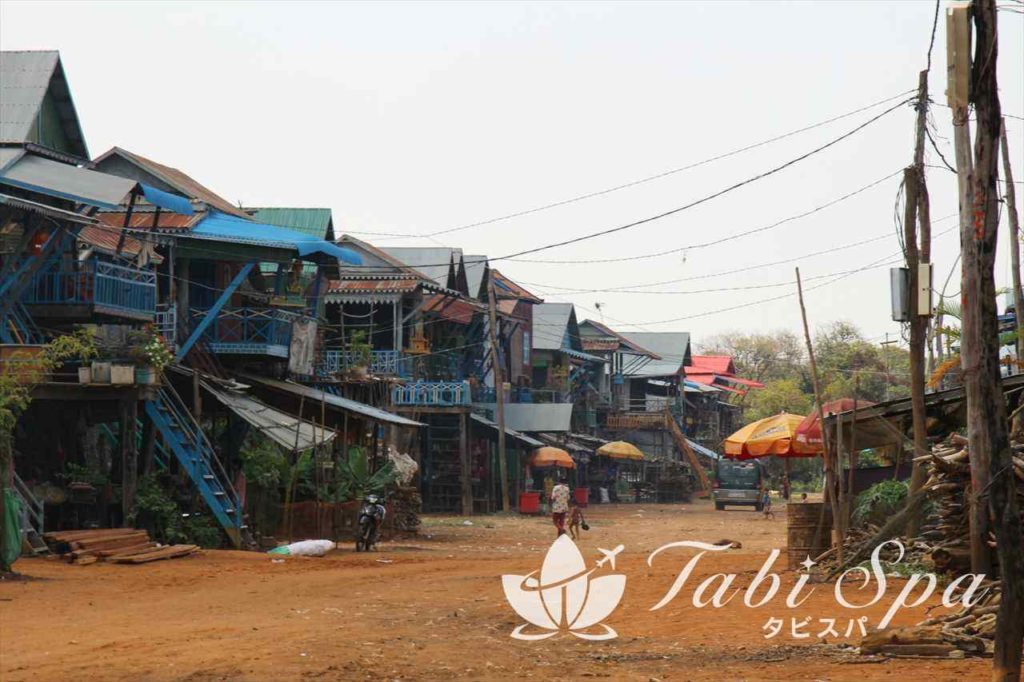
{"x": 166, "y": 200}
{"x": 702, "y": 450}
{"x": 222, "y": 226}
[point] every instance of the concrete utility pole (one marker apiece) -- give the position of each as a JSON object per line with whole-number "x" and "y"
{"x": 499, "y": 390}
{"x": 986, "y": 405}
{"x": 917, "y": 257}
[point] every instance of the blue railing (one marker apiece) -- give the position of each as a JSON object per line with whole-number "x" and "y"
{"x": 256, "y": 331}
{"x": 432, "y": 394}
{"x": 166, "y": 322}
{"x": 109, "y": 288}
{"x": 389, "y": 362}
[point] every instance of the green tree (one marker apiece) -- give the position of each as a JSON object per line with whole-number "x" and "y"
{"x": 761, "y": 356}
{"x": 781, "y": 395}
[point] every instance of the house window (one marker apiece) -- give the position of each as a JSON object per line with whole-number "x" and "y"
{"x": 526, "y": 348}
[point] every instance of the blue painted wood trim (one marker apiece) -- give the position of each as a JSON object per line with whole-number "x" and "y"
{"x": 211, "y": 315}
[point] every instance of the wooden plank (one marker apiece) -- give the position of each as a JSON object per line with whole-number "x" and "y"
{"x": 126, "y": 551}
{"x": 156, "y": 555}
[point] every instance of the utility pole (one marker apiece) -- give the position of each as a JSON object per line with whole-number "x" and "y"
{"x": 988, "y": 432}
{"x": 1014, "y": 221}
{"x": 917, "y": 257}
{"x": 958, "y": 94}
{"x": 499, "y": 389}
{"x": 826, "y": 455}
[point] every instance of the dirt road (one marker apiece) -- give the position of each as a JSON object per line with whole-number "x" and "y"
{"x": 432, "y": 609}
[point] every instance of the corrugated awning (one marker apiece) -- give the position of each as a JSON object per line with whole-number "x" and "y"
{"x": 43, "y": 209}
{"x": 334, "y": 401}
{"x": 65, "y": 181}
{"x": 521, "y": 437}
{"x": 580, "y": 355}
{"x": 700, "y": 449}
{"x": 277, "y": 425}
{"x": 222, "y": 226}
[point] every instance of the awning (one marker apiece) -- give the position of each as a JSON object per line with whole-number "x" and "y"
{"x": 521, "y": 437}
{"x": 580, "y": 355}
{"x": 701, "y": 450}
{"x": 221, "y": 226}
{"x": 65, "y": 181}
{"x": 166, "y": 200}
{"x": 43, "y": 209}
{"x": 277, "y": 425}
{"x": 334, "y": 401}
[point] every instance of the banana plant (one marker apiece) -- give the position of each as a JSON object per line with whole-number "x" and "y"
{"x": 355, "y": 480}
{"x": 950, "y": 307}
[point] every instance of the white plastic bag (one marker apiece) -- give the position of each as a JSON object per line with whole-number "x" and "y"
{"x": 305, "y": 548}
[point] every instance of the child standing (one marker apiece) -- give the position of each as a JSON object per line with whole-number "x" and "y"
{"x": 575, "y": 520}
{"x": 766, "y": 503}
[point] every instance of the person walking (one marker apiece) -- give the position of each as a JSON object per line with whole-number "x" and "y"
{"x": 559, "y": 506}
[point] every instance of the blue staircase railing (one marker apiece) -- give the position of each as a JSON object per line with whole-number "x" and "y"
{"x": 18, "y": 327}
{"x": 196, "y": 455}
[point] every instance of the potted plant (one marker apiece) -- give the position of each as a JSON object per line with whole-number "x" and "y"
{"x": 153, "y": 355}
{"x": 80, "y": 346}
{"x": 360, "y": 353}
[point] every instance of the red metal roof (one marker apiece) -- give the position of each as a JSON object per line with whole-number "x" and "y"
{"x": 454, "y": 309}
{"x": 505, "y": 287}
{"x": 718, "y": 364}
{"x": 106, "y": 239}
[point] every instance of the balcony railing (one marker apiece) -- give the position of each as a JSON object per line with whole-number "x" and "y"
{"x": 108, "y": 288}
{"x": 432, "y": 394}
{"x": 249, "y": 331}
{"x": 386, "y": 362}
{"x": 486, "y": 394}
{"x": 166, "y": 321}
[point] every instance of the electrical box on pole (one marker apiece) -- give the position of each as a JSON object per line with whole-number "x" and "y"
{"x": 924, "y": 290}
{"x": 958, "y": 54}
{"x": 899, "y": 287}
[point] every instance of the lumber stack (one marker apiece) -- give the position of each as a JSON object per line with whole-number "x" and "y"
{"x": 116, "y": 545}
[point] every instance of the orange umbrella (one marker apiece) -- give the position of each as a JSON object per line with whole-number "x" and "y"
{"x": 808, "y": 432}
{"x": 552, "y": 457}
{"x": 620, "y": 449}
{"x": 769, "y": 436}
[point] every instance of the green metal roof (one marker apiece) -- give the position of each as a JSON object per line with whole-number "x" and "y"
{"x": 311, "y": 221}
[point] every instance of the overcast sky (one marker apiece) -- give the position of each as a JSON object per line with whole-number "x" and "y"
{"x": 412, "y": 118}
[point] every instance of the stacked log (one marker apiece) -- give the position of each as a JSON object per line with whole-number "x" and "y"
{"x": 405, "y": 509}
{"x": 117, "y": 545}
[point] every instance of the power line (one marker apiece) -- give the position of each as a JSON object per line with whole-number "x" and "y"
{"x": 738, "y": 235}
{"x": 705, "y": 199}
{"x": 650, "y": 178}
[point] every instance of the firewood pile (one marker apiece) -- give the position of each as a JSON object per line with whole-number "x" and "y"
{"x": 405, "y": 505}
{"x": 115, "y": 545}
{"x": 943, "y": 545}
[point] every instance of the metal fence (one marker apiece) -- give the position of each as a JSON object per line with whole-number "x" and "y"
{"x": 108, "y": 287}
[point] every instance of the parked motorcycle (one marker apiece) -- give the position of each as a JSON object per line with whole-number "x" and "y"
{"x": 371, "y": 518}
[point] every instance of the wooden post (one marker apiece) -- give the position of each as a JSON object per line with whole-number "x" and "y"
{"x": 464, "y": 473}
{"x": 830, "y": 476}
{"x": 129, "y": 455}
{"x": 197, "y": 398}
{"x": 1014, "y": 223}
{"x": 915, "y": 198}
{"x": 986, "y": 405}
{"x": 148, "y": 446}
{"x": 499, "y": 391}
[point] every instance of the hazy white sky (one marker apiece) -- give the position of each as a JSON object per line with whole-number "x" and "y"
{"x": 417, "y": 117}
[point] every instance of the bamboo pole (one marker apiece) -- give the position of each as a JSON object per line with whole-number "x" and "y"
{"x": 830, "y": 478}
{"x": 1015, "y": 236}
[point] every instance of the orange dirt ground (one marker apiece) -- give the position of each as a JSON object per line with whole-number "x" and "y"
{"x": 430, "y": 608}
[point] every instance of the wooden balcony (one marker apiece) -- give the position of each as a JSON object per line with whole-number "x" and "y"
{"x": 94, "y": 287}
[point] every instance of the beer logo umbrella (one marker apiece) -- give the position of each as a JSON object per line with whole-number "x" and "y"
{"x": 770, "y": 436}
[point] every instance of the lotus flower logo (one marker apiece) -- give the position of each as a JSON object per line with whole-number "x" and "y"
{"x": 564, "y": 597}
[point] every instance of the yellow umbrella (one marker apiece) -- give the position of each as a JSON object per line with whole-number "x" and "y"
{"x": 552, "y": 457}
{"x": 620, "y": 449}
{"x": 769, "y": 436}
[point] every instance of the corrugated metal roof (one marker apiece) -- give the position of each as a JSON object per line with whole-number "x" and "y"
{"x": 281, "y": 427}
{"x": 434, "y": 262}
{"x": 106, "y": 239}
{"x": 372, "y": 286}
{"x": 672, "y": 347}
{"x": 454, "y": 309}
{"x": 36, "y": 207}
{"x": 311, "y": 221}
{"x": 717, "y": 364}
{"x": 64, "y": 181}
{"x": 177, "y": 179}
{"x": 335, "y": 401}
{"x": 550, "y": 325}
{"x": 143, "y": 220}
{"x": 223, "y": 227}
{"x": 591, "y": 331}
{"x": 25, "y": 78}
{"x": 8, "y": 155}
{"x": 506, "y": 287}
{"x": 527, "y": 440}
